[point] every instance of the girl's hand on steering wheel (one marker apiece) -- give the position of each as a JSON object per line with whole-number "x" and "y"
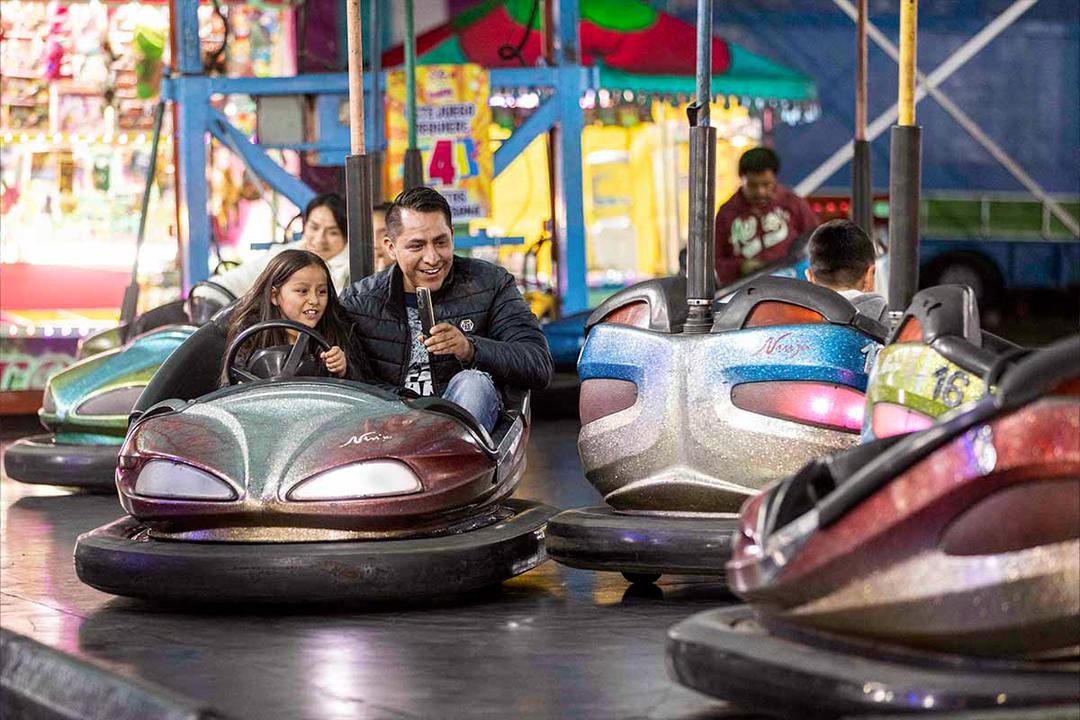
{"x": 335, "y": 361}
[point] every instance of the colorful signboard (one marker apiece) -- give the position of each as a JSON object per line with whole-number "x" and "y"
{"x": 453, "y": 119}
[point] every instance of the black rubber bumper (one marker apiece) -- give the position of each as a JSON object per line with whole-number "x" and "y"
{"x": 727, "y": 654}
{"x": 40, "y": 460}
{"x": 599, "y": 538}
{"x": 39, "y": 682}
{"x": 314, "y": 572}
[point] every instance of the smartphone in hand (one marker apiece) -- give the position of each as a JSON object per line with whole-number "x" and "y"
{"x": 427, "y": 310}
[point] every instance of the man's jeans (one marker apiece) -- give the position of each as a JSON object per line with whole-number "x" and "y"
{"x": 476, "y": 392}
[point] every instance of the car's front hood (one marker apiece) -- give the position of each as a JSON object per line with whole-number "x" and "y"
{"x": 265, "y": 439}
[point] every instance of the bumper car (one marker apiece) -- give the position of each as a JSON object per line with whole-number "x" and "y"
{"x": 566, "y": 335}
{"x": 933, "y": 571}
{"x": 303, "y": 489}
{"x": 678, "y": 429}
{"x": 936, "y": 360}
{"x": 86, "y": 405}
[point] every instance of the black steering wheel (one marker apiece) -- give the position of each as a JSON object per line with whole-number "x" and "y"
{"x": 292, "y": 362}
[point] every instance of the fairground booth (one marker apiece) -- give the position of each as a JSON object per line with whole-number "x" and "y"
{"x": 81, "y": 82}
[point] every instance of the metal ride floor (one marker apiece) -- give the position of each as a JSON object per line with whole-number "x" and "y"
{"x": 553, "y": 643}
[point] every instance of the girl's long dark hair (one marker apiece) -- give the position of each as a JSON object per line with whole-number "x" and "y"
{"x": 257, "y": 305}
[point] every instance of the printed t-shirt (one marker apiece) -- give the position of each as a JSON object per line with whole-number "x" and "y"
{"x": 418, "y": 376}
{"x": 748, "y": 232}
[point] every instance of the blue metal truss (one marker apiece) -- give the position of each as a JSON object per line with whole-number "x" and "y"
{"x": 191, "y": 90}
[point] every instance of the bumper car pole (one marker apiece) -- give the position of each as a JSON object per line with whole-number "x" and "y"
{"x": 359, "y": 168}
{"x": 862, "y": 200}
{"x": 130, "y": 303}
{"x": 376, "y": 110}
{"x": 700, "y": 257}
{"x": 414, "y": 168}
{"x": 904, "y": 169}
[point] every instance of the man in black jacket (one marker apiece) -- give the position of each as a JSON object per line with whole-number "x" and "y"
{"x": 485, "y": 338}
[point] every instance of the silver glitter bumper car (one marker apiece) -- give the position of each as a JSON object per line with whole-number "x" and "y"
{"x": 928, "y": 572}
{"x": 678, "y": 429}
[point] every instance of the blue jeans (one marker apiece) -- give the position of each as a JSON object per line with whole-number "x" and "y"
{"x": 476, "y": 392}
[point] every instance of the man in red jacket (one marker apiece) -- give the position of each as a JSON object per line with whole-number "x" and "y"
{"x": 760, "y": 221}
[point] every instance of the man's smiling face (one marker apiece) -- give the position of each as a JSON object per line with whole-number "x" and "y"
{"x": 424, "y": 249}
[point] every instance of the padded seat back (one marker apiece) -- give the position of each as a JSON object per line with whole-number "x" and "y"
{"x": 665, "y": 299}
{"x": 946, "y": 318}
{"x": 193, "y": 370}
{"x": 173, "y": 313}
{"x": 941, "y": 311}
{"x": 787, "y": 301}
{"x": 1040, "y": 373}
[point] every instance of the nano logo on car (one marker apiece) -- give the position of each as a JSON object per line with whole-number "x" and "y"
{"x": 373, "y": 436}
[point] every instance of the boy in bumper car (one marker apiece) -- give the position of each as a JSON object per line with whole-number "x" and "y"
{"x": 842, "y": 259}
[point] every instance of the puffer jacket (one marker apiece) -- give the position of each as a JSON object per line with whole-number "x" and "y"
{"x": 479, "y": 298}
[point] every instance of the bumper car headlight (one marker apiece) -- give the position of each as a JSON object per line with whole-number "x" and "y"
{"x": 378, "y": 478}
{"x": 118, "y": 401}
{"x": 173, "y": 480}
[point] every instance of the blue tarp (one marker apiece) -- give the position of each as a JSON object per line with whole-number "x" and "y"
{"x": 1023, "y": 89}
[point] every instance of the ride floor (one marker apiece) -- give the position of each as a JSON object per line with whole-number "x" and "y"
{"x": 553, "y": 643}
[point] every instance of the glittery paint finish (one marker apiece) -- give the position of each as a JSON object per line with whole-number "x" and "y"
{"x": 132, "y": 365}
{"x": 881, "y": 571}
{"x": 683, "y": 446}
{"x": 918, "y": 377}
{"x": 266, "y": 440}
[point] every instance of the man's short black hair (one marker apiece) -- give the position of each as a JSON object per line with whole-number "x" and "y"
{"x": 419, "y": 199}
{"x": 840, "y": 253}
{"x": 759, "y": 159}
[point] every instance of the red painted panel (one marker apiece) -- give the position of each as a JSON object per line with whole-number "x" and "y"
{"x": 54, "y": 287}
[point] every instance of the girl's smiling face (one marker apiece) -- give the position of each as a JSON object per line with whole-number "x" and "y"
{"x": 303, "y": 297}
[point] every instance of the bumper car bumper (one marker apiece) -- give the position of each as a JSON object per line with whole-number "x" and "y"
{"x": 601, "y": 538}
{"x": 120, "y": 558}
{"x": 41, "y": 460}
{"x": 728, "y": 654}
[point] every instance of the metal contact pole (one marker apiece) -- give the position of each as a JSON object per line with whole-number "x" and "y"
{"x": 358, "y": 170}
{"x": 904, "y": 172}
{"x": 704, "y": 60}
{"x": 414, "y": 169}
{"x": 130, "y": 303}
{"x": 701, "y": 250}
{"x": 861, "y": 180}
{"x": 376, "y": 109}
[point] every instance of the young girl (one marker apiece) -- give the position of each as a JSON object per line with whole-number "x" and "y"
{"x": 296, "y": 285}
{"x": 324, "y": 233}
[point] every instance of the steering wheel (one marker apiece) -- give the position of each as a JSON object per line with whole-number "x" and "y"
{"x": 237, "y": 374}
